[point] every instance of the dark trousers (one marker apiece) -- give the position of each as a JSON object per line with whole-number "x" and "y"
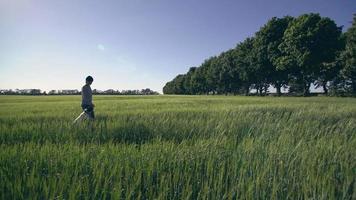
{"x": 89, "y": 110}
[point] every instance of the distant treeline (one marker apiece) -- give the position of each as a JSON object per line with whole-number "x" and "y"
{"x": 146, "y": 91}
{"x": 290, "y": 53}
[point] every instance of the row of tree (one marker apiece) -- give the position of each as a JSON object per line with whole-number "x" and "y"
{"x": 21, "y": 92}
{"x": 288, "y": 52}
{"x": 146, "y": 91}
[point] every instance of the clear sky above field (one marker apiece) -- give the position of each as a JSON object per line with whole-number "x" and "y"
{"x": 130, "y": 44}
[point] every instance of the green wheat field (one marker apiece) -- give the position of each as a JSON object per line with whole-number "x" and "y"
{"x": 178, "y": 147}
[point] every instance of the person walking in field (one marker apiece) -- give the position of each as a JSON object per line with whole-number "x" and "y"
{"x": 87, "y": 98}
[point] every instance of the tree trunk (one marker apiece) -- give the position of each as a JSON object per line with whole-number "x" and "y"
{"x": 306, "y": 91}
{"x": 247, "y": 90}
{"x": 266, "y": 88}
{"x": 325, "y": 88}
{"x": 353, "y": 87}
{"x": 278, "y": 88}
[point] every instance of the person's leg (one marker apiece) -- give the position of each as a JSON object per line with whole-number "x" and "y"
{"x": 90, "y": 112}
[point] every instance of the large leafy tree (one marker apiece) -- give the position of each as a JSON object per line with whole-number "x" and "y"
{"x": 211, "y": 72}
{"x": 308, "y": 43}
{"x": 214, "y": 75}
{"x": 187, "y": 84}
{"x": 224, "y": 68}
{"x": 198, "y": 81}
{"x": 176, "y": 86}
{"x": 333, "y": 44}
{"x": 245, "y": 64}
{"x": 349, "y": 57}
{"x": 235, "y": 83}
{"x": 266, "y": 43}
{"x": 168, "y": 88}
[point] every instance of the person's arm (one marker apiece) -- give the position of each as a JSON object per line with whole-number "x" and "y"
{"x": 82, "y": 94}
{"x": 90, "y": 91}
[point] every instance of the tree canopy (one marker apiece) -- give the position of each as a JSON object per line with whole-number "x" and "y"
{"x": 286, "y": 52}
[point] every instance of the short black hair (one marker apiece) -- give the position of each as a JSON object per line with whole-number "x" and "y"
{"x": 89, "y": 79}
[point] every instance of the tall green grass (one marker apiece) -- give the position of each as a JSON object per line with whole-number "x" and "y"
{"x": 178, "y": 147}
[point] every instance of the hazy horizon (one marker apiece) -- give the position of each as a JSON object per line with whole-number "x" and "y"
{"x": 130, "y": 44}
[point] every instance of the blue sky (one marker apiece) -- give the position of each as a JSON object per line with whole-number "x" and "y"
{"x": 130, "y": 44}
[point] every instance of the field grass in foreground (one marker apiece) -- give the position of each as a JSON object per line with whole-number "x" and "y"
{"x": 178, "y": 147}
